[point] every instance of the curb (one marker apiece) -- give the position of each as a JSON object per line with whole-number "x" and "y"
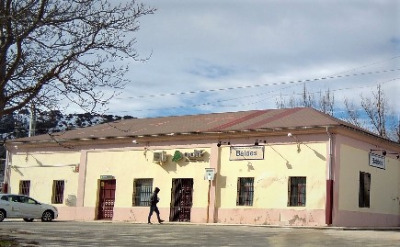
{"x": 337, "y": 228}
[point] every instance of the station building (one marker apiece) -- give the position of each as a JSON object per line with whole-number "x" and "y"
{"x": 284, "y": 167}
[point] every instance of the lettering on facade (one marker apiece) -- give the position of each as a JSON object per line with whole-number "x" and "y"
{"x": 376, "y": 160}
{"x": 247, "y": 153}
{"x": 195, "y": 155}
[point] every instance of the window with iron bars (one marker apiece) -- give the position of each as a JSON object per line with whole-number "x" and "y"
{"x": 297, "y": 191}
{"x": 142, "y": 190}
{"x": 364, "y": 192}
{"x": 24, "y": 187}
{"x": 245, "y": 192}
{"x": 58, "y": 192}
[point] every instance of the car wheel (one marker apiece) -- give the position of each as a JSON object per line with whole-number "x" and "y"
{"x": 2, "y": 215}
{"x": 47, "y": 216}
{"x": 28, "y": 219}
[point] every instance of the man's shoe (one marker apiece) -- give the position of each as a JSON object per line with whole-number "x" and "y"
{"x": 149, "y": 222}
{"x": 161, "y": 221}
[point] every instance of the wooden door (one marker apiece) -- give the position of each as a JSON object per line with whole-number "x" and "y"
{"x": 181, "y": 199}
{"x": 105, "y": 209}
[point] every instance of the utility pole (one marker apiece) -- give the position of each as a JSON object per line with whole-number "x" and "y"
{"x": 32, "y": 121}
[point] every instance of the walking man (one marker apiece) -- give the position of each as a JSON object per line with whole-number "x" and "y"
{"x": 153, "y": 206}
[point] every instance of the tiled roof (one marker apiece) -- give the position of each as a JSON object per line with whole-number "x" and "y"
{"x": 203, "y": 123}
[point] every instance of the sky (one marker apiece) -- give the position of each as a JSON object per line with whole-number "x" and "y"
{"x": 230, "y": 55}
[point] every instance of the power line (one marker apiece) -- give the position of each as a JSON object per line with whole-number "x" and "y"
{"x": 248, "y": 96}
{"x": 313, "y": 93}
{"x": 261, "y": 85}
{"x": 367, "y": 65}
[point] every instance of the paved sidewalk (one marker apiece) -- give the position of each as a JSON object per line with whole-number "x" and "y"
{"x": 342, "y": 228}
{"x": 106, "y": 233}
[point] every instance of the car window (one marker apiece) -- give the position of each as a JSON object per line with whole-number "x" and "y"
{"x": 15, "y": 198}
{"x": 23, "y": 199}
{"x": 29, "y": 200}
{"x": 5, "y": 198}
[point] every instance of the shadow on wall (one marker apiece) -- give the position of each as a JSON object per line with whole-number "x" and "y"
{"x": 17, "y": 170}
{"x": 168, "y": 166}
{"x": 221, "y": 181}
{"x": 319, "y": 155}
{"x": 183, "y": 159}
{"x": 288, "y": 164}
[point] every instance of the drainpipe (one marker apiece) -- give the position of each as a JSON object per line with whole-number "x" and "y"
{"x": 6, "y": 179}
{"x": 208, "y": 202}
{"x": 329, "y": 182}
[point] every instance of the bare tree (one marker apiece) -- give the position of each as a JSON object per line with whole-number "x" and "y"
{"x": 308, "y": 98}
{"x": 353, "y": 113}
{"x": 53, "y": 50}
{"x": 375, "y": 115}
{"x": 324, "y": 104}
{"x": 282, "y": 103}
{"x": 375, "y": 108}
{"x": 378, "y": 117}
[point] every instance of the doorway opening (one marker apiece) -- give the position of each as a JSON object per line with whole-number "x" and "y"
{"x": 105, "y": 208}
{"x": 181, "y": 199}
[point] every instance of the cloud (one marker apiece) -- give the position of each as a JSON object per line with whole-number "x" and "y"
{"x": 202, "y": 46}
{"x": 209, "y": 70}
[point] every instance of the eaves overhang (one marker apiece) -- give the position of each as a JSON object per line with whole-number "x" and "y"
{"x": 55, "y": 140}
{"x": 215, "y": 135}
{"x": 367, "y": 136}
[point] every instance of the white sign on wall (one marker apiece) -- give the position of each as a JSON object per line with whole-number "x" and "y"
{"x": 209, "y": 174}
{"x": 247, "y": 153}
{"x": 376, "y": 160}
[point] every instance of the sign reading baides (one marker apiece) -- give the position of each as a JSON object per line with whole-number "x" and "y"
{"x": 377, "y": 160}
{"x": 247, "y": 153}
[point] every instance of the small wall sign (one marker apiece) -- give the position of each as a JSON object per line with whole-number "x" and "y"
{"x": 376, "y": 160}
{"x": 209, "y": 174}
{"x": 106, "y": 177}
{"x": 247, "y": 153}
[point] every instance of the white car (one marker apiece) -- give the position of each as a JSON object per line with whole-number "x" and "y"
{"x": 21, "y": 206}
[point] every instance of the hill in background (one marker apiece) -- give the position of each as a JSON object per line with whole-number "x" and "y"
{"x": 17, "y": 125}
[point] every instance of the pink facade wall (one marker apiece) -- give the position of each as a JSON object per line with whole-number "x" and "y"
{"x": 132, "y": 214}
{"x": 76, "y": 213}
{"x": 361, "y": 218}
{"x": 350, "y": 218}
{"x": 272, "y": 217}
{"x": 226, "y": 216}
